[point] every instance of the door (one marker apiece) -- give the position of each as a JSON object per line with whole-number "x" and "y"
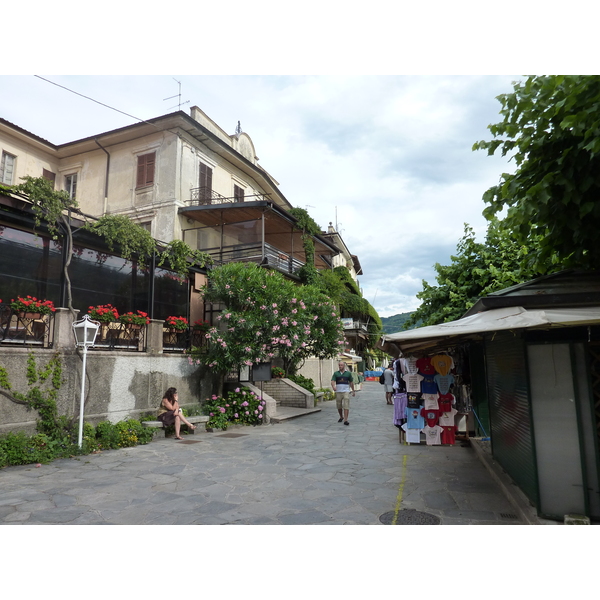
{"x": 563, "y": 430}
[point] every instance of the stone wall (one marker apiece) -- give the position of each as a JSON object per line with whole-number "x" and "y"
{"x": 118, "y": 384}
{"x": 288, "y": 393}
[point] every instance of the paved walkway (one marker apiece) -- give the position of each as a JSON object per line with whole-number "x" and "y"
{"x": 307, "y": 470}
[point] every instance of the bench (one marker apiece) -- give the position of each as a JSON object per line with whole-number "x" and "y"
{"x": 159, "y": 424}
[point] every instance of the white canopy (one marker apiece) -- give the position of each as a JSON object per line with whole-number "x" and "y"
{"x": 515, "y": 317}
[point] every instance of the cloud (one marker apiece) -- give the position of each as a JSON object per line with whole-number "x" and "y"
{"x": 386, "y": 158}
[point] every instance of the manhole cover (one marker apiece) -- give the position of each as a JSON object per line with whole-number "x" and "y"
{"x": 190, "y": 442}
{"x": 408, "y": 516}
{"x": 232, "y": 435}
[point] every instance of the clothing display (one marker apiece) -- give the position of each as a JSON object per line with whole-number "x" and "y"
{"x": 435, "y": 387}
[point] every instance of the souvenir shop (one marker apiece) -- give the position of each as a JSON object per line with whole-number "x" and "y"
{"x": 432, "y": 397}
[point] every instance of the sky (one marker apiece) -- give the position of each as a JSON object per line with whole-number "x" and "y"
{"x": 386, "y": 158}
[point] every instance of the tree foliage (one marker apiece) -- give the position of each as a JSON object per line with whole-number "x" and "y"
{"x": 477, "y": 270}
{"x": 267, "y": 316}
{"x": 551, "y": 128}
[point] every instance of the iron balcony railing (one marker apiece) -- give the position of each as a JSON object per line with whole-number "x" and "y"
{"x": 29, "y": 329}
{"x": 206, "y": 196}
{"x": 273, "y": 257}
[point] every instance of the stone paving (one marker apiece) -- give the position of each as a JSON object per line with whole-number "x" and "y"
{"x": 307, "y": 470}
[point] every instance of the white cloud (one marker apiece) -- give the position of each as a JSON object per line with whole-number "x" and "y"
{"x": 388, "y": 157}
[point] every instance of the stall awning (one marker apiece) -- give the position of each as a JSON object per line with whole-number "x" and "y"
{"x": 474, "y": 326}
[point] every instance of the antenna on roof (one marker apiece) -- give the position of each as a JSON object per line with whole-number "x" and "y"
{"x": 177, "y": 96}
{"x": 238, "y": 129}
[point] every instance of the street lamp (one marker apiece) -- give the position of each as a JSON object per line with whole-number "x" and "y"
{"x": 85, "y": 331}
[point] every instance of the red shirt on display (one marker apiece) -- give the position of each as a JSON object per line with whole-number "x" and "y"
{"x": 431, "y": 416}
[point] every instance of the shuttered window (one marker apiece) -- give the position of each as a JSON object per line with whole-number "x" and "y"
{"x": 49, "y": 175}
{"x": 145, "y": 169}
{"x": 238, "y": 193}
{"x": 7, "y": 168}
{"x": 205, "y": 183}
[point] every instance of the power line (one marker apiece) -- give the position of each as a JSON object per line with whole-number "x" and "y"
{"x": 96, "y": 101}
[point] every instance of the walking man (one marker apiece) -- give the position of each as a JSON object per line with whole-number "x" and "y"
{"x": 342, "y": 383}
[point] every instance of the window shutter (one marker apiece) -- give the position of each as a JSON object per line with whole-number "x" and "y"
{"x": 145, "y": 169}
{"x": 205, "y": 183}
{"x": 49, "y": 175}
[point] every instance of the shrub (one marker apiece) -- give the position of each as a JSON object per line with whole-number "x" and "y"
{"x": 303, "y": 382}
{"x": 241, "y": 406}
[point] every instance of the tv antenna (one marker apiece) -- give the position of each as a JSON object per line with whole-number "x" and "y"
{"x": 176, "y": 96}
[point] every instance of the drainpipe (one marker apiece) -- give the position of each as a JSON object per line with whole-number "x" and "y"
{"x": 106, "y": 179}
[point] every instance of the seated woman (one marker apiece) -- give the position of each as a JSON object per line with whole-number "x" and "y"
{"x": 170, "y": 413}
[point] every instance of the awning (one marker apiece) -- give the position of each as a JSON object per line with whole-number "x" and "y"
{"x": 350, "y": 357}
{"x": 474, "y": 326}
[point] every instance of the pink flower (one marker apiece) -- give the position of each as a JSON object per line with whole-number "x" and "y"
{"x": 260, "y": 416}
{"x": 274, "y": 305}
{"x": 247, "y": 413}
{"x": 236, "y": 415}
{"x": 237, "y": 390}
{"x": 222, "y": 409}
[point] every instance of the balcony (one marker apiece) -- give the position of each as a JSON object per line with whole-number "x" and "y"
{"x": 354, "y": 325}
{"x": 27, "y": 329}
{"x": 250, "y": 231}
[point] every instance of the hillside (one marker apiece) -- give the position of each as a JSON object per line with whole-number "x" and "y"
{"x": 395, "y": 323}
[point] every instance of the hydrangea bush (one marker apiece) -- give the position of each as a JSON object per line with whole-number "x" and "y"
{"x": 241, "y": 406}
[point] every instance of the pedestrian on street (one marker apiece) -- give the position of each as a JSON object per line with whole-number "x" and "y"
{"x": 341, "y": 383}
{"x": 388, "y": 383}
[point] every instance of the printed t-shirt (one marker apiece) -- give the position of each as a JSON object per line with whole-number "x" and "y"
{"x": 446, "y": 401}
{"x": 411, "y": 365}
{"x": 433, "y": 435}
{"x": 413, "y": 436}
{"x": 414, "y": 420}
{"x": 449, "y": 435}
{"x": 442, "y": 363}
{"x": 342, "y": 381}
{"x": 413, "y": 400}
{"x": 430, "y": 401}
{"x": 444, "y": 382}
{"x": 413, "y": 382}
{"x": 425, "y": 367}
{"x": 428, "y": 385}
{"x": 447, "y": 418}
{"x": 431, "y": 416}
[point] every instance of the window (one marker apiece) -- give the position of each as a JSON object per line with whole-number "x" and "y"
{"x": 49, "y": 175}
{"x": 71, "y": 185}
{"x": 205, "y": 184}
{"x": 238, "y": 193}
{"x": 145, "y": 169}
{"x": 7, "y": 168}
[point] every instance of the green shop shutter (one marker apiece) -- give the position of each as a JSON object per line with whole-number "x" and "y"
{"x": 510, "y": 413}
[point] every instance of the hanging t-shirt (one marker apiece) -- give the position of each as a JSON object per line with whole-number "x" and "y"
{"x": 413, "y": 400}
{"x": 430, "y": 401}
{"x": 431, "y": 416}
{"x": 413, "y": 436}
{"x": 411, "y": 365}
{"x": 413, "y": 382}
{"x": 428, "y": 385}
{"x": 433, "y": 435}
{"x": 447, "y": 418}
{"x": 442, "y": 363}
{"x": 425, "y": 367}
{"x": 446, "y": 402}
{"x": 444, "y": 382}
{"x": 414, "y": 420}
{"x": 449, "y": 435}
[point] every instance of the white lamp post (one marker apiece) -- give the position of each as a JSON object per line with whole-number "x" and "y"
{"x": 85, "y": 331}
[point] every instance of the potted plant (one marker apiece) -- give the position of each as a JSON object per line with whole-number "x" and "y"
{"x": 105, "y": 313}
{"x": 31, "y": 307}
{"x": 135, "y": 320}
{"x": 201, "y": 325}
{"x": 277, "y": 372}
{"x": 177, "y": 323}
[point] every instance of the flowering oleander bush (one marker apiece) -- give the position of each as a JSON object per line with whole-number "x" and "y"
{"x": 241, "y": 406}
{"x": 31, "y": 304}
{"x": 105, "y": 313}
{"x": 267, "y": 315}
{"x": 139, "y": 318}
{"x": 277, "y": 372}
{"x": 179, "y": 323}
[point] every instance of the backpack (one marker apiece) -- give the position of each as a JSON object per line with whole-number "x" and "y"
{"x": 382, "y": 378}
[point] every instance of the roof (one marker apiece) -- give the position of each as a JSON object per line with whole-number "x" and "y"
{"x": 472, "y": 327}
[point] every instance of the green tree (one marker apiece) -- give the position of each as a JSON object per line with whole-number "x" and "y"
{"x": 551, "y": 128}
{"x": 477, "y": 269}
{"x": 267, "y": 316}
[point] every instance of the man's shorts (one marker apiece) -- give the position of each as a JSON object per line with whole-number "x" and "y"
{"x": 342, "y": 400}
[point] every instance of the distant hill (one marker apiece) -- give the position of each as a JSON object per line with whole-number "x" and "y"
{"x": 395, "y": 323}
